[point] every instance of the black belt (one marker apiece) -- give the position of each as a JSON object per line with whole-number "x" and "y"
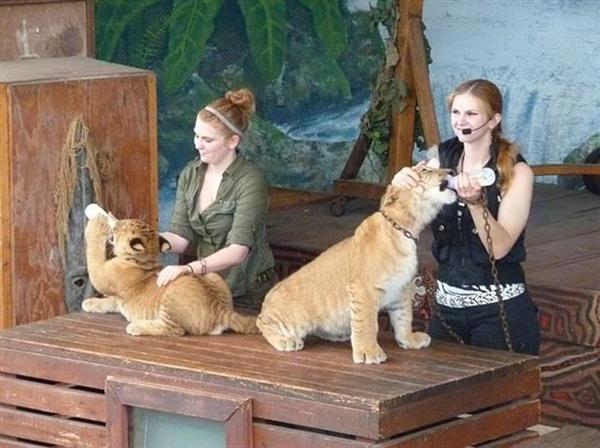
{"x": 265, "y": 276}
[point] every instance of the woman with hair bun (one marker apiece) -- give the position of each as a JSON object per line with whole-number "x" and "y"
{"x": 221, "y": 205}
{"x": 468, "y": 307}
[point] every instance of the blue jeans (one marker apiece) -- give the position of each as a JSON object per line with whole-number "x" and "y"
{"x": 481, "y": 325}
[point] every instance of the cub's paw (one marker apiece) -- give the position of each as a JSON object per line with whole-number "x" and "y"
{"x": 370, "y": 355}
{"x": 135, "y": 328}
{"x": 285, "y": 344}
{"x": 93, "y": 305}
{"x": 97, "y": 227}
{"x": 416, "y": 340}
{"x": 96, "y": 305}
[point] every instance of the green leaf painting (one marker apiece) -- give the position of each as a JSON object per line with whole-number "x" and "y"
{"x": 115, "y": 15}
{"x": 148, "y": 42}
{"x": 184, "y": 27}
{"x": 192, "y": 23}
{"x": 329, "y": 25}
{"x": 266, "y": 29}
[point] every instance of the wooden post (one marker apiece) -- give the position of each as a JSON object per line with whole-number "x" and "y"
{"x": 420, "y": 72}
{"x": 411, "y": 69}
{"x": 403, "y": 123}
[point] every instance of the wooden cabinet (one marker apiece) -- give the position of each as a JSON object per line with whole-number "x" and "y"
{"x": 83, "y": 376}
{"x": 38, "y": 101}
{"x": 46, "y": 29}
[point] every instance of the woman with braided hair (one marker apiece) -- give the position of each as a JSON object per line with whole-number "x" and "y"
{"x": 483, "y": 232}
{"x": 221, "y": 205}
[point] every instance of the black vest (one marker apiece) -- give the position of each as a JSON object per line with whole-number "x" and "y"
{"x": 457, "y": 248}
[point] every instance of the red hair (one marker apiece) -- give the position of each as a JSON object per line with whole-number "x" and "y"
{"x": 490, "y": 97}
{"x": 237, "y": 106}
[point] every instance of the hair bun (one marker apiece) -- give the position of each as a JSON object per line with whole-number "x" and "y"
{"x": 242, "y": 98}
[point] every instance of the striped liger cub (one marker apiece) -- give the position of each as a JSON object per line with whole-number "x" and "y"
{"x": 123, "y": 260}
{"x": 339, "y": 294}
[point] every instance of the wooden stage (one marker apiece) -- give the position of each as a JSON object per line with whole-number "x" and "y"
{"x": 58, "y": 376}
{"x": 77, "y": 379}
{"x": 562, "y": 268}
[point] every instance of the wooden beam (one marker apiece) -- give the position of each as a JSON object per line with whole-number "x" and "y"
{"x": 567, "y": 169}
{"x": 403, "y": 123}
{"x": 357, "y": 157}
{"x": 6, "y": 239}
{"x": 420, "y": 74}
{"x": 358, "y": 189}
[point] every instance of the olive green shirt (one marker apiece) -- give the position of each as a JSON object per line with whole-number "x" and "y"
{"x": 237, "y": 216}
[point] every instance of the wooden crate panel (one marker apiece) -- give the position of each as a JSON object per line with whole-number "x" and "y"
{"x": 51, "y": 429}
{"x": 318, "y": 389}
{"x": 37, "y": 105}
{"x": 456, "y": 433}
{"x": 275, "y": 436}
{"x": 571, "y": 384}
{"x": 46, "y": 29}
{"x": 55, "y": 398}
{"x": 472, "y": 429}
{"x": 6, "y": 442}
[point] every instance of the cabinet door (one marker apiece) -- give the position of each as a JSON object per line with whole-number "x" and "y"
{"x": 144, "y": 414}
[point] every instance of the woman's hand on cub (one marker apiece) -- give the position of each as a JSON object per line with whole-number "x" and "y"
{"x": 408, "y": 177}
{"x": 170, "y": 273}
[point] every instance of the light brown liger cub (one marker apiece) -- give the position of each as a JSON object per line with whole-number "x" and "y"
{"x": 189, "y": 304}
{"x": 338, "y": 295}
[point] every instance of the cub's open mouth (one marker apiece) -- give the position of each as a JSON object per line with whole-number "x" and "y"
{"x": 444, "y": 185}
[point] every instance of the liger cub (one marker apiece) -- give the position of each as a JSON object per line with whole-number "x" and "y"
{"x": 189, "y": 304}
{"x": 339, "y": 294}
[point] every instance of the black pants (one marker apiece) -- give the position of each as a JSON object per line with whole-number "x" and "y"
{"x": 481, "y": 325}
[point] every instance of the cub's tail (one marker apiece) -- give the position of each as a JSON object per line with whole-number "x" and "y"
{"x": 239, "y": 323}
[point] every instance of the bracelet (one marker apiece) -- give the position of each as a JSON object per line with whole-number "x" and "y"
{"x": 189, "y": 266}
{"x": 203, "y": 266}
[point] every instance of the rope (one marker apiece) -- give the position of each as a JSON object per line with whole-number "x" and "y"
{"x": 76, "y": 141}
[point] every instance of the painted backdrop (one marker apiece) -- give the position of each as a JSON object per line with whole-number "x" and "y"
{"x": 313, "y": 64}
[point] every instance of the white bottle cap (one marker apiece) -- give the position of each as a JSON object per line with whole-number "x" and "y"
{"x": 93, "y": 210}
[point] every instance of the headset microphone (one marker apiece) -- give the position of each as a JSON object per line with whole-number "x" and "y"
{"x": 469, "y": 131}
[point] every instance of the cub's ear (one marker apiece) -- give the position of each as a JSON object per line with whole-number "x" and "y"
{"x": 137, "y": 244}
{"x": 165, "y": 246}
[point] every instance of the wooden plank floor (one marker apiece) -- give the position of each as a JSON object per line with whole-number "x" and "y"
{"x": 323, "y": 370}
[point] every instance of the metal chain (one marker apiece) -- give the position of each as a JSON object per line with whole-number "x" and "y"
{"x": 397, "y": 226}
{"x": 494, "y": 269}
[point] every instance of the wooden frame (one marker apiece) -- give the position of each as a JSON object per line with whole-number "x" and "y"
{"x": 235, "y": 412}
{"x": 413, "y": 71}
